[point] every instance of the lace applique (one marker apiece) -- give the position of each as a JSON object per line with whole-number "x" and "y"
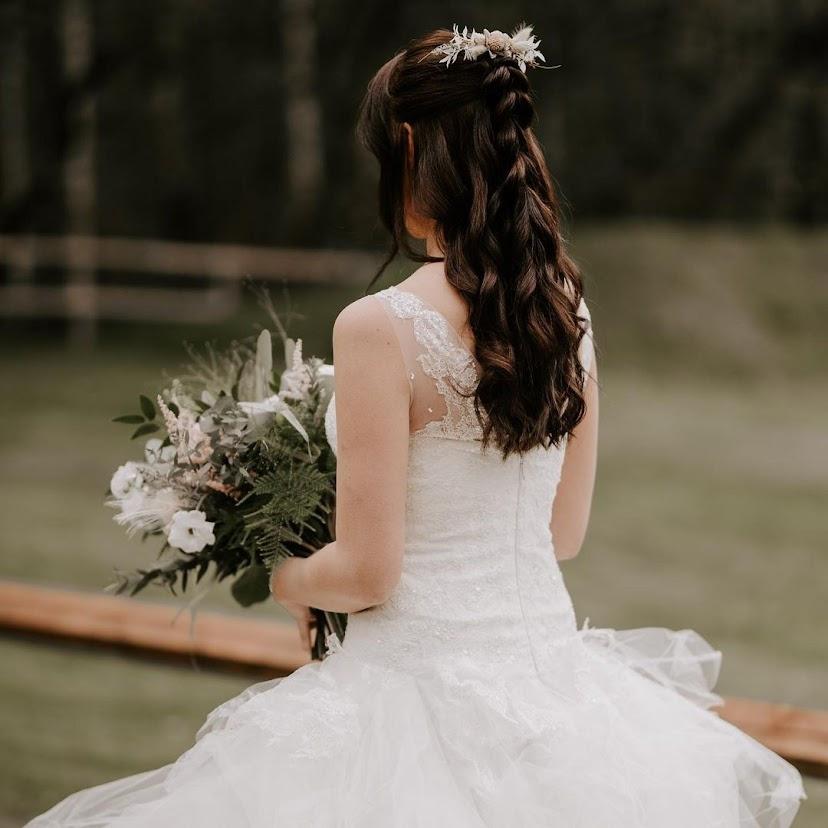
{"x": 449, "y": 363}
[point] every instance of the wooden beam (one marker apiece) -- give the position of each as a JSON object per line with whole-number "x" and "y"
{"x": 132, "y": 303}
{"x": 798, "y": 734}
{"x": 213, "y": 639}
{"x": 261, "y": 648}
{"x": 216, "y": 261}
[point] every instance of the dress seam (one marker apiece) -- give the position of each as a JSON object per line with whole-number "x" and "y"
{"x": 515, "y": 552}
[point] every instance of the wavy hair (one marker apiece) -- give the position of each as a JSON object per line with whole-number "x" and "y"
{"x": 479, "y": 173}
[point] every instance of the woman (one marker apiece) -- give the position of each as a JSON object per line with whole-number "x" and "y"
{"x": 466, "y": 427}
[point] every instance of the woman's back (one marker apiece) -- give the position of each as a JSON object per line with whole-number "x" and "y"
{"x": 479, "y": 574}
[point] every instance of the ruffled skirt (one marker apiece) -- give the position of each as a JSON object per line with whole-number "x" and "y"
{"x": 619, "y": 736}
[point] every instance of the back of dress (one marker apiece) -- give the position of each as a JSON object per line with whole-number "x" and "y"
{"x": 480, "y": 579}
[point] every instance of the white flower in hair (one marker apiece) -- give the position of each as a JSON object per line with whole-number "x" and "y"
{"x": 521, "y": 46}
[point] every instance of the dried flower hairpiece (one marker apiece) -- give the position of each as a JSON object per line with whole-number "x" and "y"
{"x": 521, "y": 46}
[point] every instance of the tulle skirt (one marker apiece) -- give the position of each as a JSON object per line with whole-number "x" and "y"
{"x": 618, "y": 736}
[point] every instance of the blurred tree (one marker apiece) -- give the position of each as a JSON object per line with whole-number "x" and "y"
{"x": 227, "y": 123}
{"x": 80, "y": 184}
{"x": 303, "y": 118}
{"x": 14, "y": 139}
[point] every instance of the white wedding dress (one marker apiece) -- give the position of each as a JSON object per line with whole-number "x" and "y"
{"x": 470, "y": 698}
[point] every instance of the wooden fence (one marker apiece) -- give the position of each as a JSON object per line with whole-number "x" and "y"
{"x": 216, "y": 271}
{"x": 266, "y": 649}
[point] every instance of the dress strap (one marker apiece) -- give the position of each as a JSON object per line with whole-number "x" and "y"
{"x": 441, "y": 370}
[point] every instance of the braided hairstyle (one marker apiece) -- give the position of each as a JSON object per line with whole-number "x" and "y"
{"x": 478, "y": 172}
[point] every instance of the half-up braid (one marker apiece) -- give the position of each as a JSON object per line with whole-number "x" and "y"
{"x": 480, "y": 174}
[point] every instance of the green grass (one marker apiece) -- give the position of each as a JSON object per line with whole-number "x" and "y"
{"x": 72, "y": 718}
{"x": 709, "y": 514}
{"x": 709, "y": 510}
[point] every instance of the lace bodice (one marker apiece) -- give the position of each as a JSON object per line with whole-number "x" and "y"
{"x": 441, "y": 370}
{"x": 480, "y": 579}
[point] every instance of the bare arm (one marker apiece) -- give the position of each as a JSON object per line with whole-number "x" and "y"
{"x": 363, "y": 565}
{"x": 570, "y": 511}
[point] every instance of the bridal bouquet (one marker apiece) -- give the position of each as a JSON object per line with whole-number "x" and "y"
{"x": 237, "y": 475}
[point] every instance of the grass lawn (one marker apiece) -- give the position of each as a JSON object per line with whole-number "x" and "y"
{"x": 709, "y": 511}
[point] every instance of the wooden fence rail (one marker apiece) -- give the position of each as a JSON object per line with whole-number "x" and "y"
{"x": 156, "y": 256}
{"x": 222, "y": 267}
{"x": 266, "y": 649}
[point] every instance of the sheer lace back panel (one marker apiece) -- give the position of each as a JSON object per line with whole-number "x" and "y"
{"x": 442, "y": 371}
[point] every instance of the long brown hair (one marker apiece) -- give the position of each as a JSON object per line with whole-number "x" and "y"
{"x": 479, "y": 173}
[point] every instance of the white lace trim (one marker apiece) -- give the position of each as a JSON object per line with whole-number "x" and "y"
{"x": 448, "y": 362}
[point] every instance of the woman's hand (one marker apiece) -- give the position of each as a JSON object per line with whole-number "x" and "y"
{"x": 304, "y": 621}
{"x": 280, "y": 580}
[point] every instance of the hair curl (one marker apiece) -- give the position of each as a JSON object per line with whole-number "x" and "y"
{"x": 479, "y": 173}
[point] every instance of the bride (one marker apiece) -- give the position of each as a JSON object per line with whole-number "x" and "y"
{"x": 465, "y": 423}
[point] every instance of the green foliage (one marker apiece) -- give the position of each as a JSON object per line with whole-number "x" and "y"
{"x": 147, "y": 428}
{"x": 144, "y": 420}
{"x": 147, "y": 407}
{"x": 290, "y": 508}
{"x": 252, "y": 586}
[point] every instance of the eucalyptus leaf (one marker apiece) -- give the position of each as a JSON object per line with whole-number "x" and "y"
{"x": 146, "y": 428}
{"x": 147, "y": 407}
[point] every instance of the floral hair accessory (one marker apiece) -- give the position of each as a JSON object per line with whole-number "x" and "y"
{"x": 521, "y": 46}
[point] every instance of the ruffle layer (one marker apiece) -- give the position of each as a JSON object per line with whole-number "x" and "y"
{"x": 620, "y": 737}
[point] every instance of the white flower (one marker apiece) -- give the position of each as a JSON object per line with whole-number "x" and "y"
{"x": 521, "y": 46}
{"x": 155, "y": 452}
{"x": 126, "y": 478}
{"x": 260, "y": 412}
{"x": 271, "y": 405}
{"x": 190, "y": 531}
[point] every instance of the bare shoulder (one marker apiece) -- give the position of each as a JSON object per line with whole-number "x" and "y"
{"x": 361, "y": 324}
{"x": 367, "y": 354}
